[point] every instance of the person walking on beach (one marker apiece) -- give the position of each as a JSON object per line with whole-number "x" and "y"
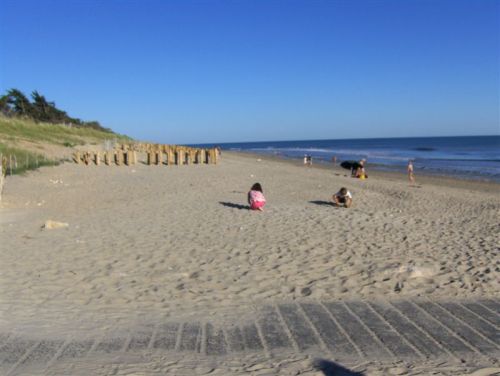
{"x": 342, "y": 197}
{"x": 411, "y": 176}
{"x": 307, "y": 160}
{"x": 256, "y": 198}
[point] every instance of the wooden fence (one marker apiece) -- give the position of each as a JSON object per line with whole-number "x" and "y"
{"x": 3, "y": 172}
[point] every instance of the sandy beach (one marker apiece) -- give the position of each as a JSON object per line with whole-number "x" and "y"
{"x": 147, "y": 242}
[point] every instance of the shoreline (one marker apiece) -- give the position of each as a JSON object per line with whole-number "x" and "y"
{"x": 396, "y": 176}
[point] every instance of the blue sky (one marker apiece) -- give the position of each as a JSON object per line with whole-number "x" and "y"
{"x": 220, "y": 71}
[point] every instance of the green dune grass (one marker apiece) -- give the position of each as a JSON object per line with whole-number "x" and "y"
{"x": 12, "y": 129}
{"x": 15, "y": 131}
{"x": 17, "y": 161}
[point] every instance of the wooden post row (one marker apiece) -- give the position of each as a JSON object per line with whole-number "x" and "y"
{"x": 118, "y": 157}
{"x": 170, "y": 156}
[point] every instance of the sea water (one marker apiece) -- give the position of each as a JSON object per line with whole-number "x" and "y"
{"x": 472, "y": 157}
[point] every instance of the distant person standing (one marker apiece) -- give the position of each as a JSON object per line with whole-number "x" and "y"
{"x": 307, "y": 160}
{"x": 334, "y": 160}
{"x": 411, "y": 175}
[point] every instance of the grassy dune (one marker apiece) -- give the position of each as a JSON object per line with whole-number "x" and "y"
{"x": 24, "y": 141}
{"x": 12, "y": 129}
{"x": 17, "y": 161}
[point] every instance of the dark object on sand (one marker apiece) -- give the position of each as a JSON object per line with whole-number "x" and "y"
{"x": 330, "y": 368}
{"x": 350, "y": 165}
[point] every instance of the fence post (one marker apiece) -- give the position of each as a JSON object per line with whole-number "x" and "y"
{"x": 4, "y": 165}
{"x": 1, "y": 175}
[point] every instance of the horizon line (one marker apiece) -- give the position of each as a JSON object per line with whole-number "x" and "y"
{"x": 340, "y": 139}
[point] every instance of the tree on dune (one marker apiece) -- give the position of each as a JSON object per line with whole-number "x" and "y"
{"x": 4, "y": 105}
{"x": 46, "y": 111}
{"x": 15, "y": 103}
{"x": 20, "y": 104}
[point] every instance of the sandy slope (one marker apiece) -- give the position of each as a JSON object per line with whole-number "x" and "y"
{"x": 166, "y": 241}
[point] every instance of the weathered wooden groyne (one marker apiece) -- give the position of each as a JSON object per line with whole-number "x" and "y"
{"x": 117, "y": 157}
{"x": 156, "y": 154}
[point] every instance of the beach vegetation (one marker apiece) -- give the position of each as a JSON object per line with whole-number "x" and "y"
{"x": 21, "y": 129}
{"x": 22, "y": 141}
{"x": 16, "y": 104}
{"x": 17, "y": 161}
{"x": 29, "y": 125}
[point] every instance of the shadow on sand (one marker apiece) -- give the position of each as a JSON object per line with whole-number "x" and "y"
{"x": 234, "y": 206}
{"x": 320, "y": 202}
{"x": 330, "y": 368}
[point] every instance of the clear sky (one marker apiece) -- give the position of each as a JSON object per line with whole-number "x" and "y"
{"x": 219, "y": 71}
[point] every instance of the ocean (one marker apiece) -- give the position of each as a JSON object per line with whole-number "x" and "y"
{"x": 469, "y": 157}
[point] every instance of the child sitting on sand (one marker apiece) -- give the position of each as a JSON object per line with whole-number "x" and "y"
{"x": 342, "y": 197}
{"x": 361, "y": 173}
{"x": 256, "y": 198}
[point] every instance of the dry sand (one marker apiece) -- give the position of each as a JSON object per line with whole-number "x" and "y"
{"x": 149, "y": 241}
